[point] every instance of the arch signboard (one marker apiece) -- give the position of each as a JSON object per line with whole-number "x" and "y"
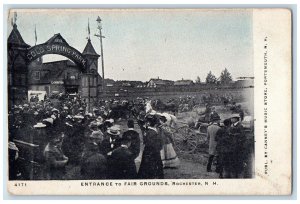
{"x": 56, "y": 45}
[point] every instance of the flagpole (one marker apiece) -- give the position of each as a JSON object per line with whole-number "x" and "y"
{"x": 100, "y": 36}
{"x": 35, "y": 35}
{"x": 89, "y": 31}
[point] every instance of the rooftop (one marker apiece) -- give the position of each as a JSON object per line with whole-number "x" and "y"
{"x": 89, "y": 49}
{"x": 15, "y": 38}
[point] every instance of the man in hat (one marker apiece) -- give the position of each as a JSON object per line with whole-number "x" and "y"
{"x": 96, "y": 113}
{"x": 69, "y": 139}
{"x": 112, "y": 140}
{"x": 78, "y": 138}
{"x": 55, "y": 160}
{"x": 14, "y": 165}
{"x": 107, "y": 124}
{"x": 211, "y": 135}
{"x": 57, "y": 124}
{"x": 151, "y": 164}
{"x": 64, "y": 113}
{"x": 88, "y": 117}
{"x": 94, "y": 132}
{"x": 135, "y": 138}
{"x": 141, "y": 121}
{"x": 239, "y": 156}
{"x": 103, "y": 112}
{"x": 205, "y": 116}
{"x": 81, "y": 111}
{"x": 93, "y": 163}
{"x": 121, "y": 161}
{"x": 225, "y": 149}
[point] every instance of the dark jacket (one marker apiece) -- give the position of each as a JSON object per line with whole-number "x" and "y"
{"x": 239, "y": 155}
{"x": 93, "y": 164}
{"x": 55, "y": 162}
{"x": 135, "y": 142}
{"x": 237, "y": 131}
{"x": 225, "y": 141}
{"x": 151, "y": 165}
{"x": 109, "y": 145}
{"x": 121, "y": 164}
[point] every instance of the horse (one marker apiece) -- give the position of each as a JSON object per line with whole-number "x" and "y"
{"x": 165, "y": 107}
{"x": 120, "y": 110}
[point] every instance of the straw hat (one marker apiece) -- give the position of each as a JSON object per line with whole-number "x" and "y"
{"x": 39, "y": 125}
{"x": 235, "y": 115}
{"x": 48, "y": 120}
{"x": 78, "y": 117}
{"x": 114, "y": 130}
{"x": 54, "y": 110}
{"x": 96, "y": 135}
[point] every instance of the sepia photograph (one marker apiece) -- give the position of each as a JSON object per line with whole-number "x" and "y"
{"x": 162, "y": 95}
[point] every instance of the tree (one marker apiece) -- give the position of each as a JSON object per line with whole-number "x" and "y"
{"x": 225, "y": 77}
{"x": 210, "y": 78}
{"x": 198, "y": 80}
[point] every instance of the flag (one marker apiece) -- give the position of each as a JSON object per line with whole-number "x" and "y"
{"x": 89, "y": 31}
{"x": 35, "y": 35}
{"x": 15, "y": 17}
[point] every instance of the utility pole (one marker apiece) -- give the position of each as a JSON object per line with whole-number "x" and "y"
{"x": 100, "y": 36}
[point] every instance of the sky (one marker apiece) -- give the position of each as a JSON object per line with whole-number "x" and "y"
{"x": 144, "y": 44}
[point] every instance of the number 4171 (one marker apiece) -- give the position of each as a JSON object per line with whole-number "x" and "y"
{"x": 20, "y": 184}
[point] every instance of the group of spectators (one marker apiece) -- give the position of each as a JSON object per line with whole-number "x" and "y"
{"x": 228, "y": 143}
{"x": 66, "y": 135}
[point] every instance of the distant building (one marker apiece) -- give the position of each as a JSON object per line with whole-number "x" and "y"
{"x": 125, "y": 83}
{"x": 153, "y": 83}
{"x": 58, "y": 76}
{"x": 109, "y": 82}
{"x": 245, "y": 82}
{"x": 183, "y": 82}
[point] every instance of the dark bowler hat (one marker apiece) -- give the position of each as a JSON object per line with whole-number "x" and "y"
{"x": 215, "y": 117}
{"x": 152, "y": 119}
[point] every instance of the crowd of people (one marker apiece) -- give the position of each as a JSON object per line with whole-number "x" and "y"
{"x": 227, "y": 141}
{"x": 66, "y": 134}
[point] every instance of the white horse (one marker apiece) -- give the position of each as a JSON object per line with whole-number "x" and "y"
{"x": 171, "y": 119}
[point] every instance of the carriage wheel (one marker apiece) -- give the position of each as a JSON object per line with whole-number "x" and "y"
{"x": 202, "y": 138}
{"x": 185, "y": 140}
{"x": 202, "y": 134}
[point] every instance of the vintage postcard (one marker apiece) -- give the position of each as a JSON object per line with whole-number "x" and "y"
{"x": 149, "y": 102}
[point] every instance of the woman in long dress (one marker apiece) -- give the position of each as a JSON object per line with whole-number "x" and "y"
{"x": 151, "y": 164}
{"x": 168, "y": 154}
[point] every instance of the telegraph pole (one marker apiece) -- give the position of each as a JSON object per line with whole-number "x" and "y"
{"x": 100, "y": 36}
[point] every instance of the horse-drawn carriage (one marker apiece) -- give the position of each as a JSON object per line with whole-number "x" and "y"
{"x": 189, "y": 136}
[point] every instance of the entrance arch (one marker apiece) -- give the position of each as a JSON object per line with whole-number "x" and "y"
{"x": 57, "y": 45}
